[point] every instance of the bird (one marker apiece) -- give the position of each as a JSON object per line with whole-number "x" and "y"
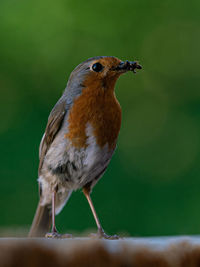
{"x": 79, "y": 140}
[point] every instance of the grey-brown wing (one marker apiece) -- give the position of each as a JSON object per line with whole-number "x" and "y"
{"x": 53, "y": 125}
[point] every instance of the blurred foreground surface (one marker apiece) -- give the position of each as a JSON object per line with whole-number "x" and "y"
{"x": 159, "y": 252}
{"x": 152, "y": 184}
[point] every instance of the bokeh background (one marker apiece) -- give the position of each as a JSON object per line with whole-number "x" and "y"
{"x": 152, "y": 184}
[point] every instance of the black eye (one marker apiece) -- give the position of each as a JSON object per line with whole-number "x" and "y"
{"x": 97, "y": 67}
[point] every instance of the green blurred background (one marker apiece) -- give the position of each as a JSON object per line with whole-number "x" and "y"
{"x": 152, "y": 184}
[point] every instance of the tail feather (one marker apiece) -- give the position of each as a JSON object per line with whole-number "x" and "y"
{"x": 41, "y": 222}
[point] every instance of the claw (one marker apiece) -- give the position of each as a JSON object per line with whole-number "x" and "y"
{"x": 53, "y": 235}
{"x": 56, "y": 235}
{"x": 102, "y": 235}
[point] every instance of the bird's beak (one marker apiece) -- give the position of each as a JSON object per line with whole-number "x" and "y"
{"x": 128, "y": 66}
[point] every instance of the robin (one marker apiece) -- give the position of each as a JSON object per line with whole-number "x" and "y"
{"x": 79, "y": 140}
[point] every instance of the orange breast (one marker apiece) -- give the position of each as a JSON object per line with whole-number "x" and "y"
{"x": 100, "y": 108}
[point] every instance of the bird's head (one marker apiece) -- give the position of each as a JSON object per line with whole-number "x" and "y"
{"x": 100, "y": 72}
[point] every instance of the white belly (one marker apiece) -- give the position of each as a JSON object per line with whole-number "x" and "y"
{"x": 70, "y": 168}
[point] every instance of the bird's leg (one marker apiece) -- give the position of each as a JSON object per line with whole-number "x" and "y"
{"x": 54, "y": 230}
{"x": 101, "y": 233}
{"x": 54, "y": 233}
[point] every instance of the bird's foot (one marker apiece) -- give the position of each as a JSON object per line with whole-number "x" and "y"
{"x": 57, "y": 235}
{"x": 53, "y": 235}
{"x": 102, "y": 235}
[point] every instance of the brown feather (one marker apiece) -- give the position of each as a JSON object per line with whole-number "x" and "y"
{"x": 53, "y": 125}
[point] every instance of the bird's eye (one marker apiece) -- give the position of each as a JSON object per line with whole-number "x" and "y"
{"x": 97, "y": 67}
